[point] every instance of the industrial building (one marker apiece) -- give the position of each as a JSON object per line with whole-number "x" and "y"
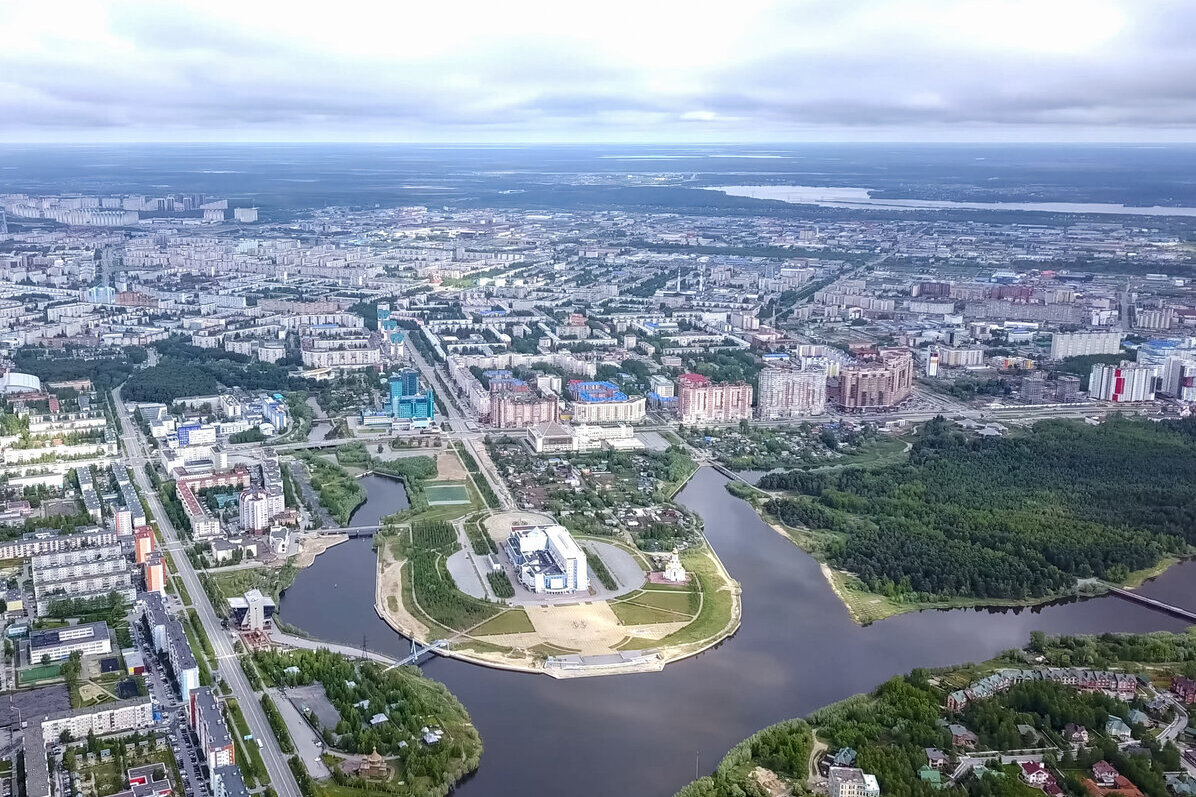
{"x": 547, "y": 559}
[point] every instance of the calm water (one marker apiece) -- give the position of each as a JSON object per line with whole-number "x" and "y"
{"x": 861, "y": 198}
{"x": 386, "y": 496}
{"x": 639, "y": 734}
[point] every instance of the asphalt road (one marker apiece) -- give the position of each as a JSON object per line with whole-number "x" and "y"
{"x": 229, "y": 668}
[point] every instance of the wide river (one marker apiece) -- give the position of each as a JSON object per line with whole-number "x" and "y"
{"x": 641, "y": 735}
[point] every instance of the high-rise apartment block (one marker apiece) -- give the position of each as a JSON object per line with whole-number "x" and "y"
{"x": 880, "y": 381}
{"x": 789, "y": 392}
{"x": 1122, "y": 383}
{"x": 1082, "y": 344}
{"x": 701, "y": 400}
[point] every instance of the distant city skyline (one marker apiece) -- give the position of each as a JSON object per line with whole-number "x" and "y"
{"x": 623, "y": 72}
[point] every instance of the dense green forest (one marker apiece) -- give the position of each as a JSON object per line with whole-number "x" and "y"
{"x": 1016, "y": 517}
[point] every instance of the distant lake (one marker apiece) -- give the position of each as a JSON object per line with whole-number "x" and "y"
{"x": 862, "y": 199}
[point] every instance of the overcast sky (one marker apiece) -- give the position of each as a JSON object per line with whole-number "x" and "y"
{"x": 615, "y": 70}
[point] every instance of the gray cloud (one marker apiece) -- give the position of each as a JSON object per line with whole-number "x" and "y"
{"x": 804, "y": 69}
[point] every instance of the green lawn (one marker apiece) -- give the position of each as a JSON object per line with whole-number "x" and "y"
{"x": 514, "y": 621}
{"x": 715, "y": 614}
{"x": 634, "y": 614}
{"x": 670, "y": 599}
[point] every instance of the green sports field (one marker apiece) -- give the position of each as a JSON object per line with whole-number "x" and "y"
{"x": 441, "y": 493}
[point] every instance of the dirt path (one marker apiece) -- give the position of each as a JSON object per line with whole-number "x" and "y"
{"x": 390, "y": 598}
{"x": 819, "y": 748}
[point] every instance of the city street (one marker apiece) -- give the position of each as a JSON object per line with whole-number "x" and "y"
{"x": 229, "y": 667}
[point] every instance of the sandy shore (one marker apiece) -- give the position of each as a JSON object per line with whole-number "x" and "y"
{"x": 312, "y": 546}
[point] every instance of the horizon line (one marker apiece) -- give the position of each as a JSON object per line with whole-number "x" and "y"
{"x": 510, "y": 144}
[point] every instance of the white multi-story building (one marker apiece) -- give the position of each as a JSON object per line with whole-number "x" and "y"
{"x": 1081, "y": 344}
{"x": 1179, "y": 378}
{"x": 961, "y": 357}
{"x": 57, "y": 644}
{"x": 115, "y": 717}
{"x": 1127, "y": 382}
{"x": 258, "y": 506}
{"x": 629, "y": 410}
{"x": 851, "y": 782}
{"x": 547, "y": 559}
{"x": 787, "y": 392}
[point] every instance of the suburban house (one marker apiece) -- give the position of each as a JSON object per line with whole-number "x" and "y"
{"x": 935, "y": 758}
{"x": 1075, "y": 733}
{"x": 1034, "y": 773}
{"x": 1117, "y": 729}
{"x": 1184, "y": 689}
{"x": 1104, "y": 774}
{"x": 961, "y": 736}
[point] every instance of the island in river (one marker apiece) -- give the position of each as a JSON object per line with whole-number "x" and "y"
{"x": 1059, "y": 509}
{"x": 452, "y": 581}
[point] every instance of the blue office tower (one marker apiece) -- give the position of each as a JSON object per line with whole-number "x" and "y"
{"x": 407, "y": 400}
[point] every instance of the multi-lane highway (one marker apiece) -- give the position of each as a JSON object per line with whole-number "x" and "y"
{"x": 229, "y": 667}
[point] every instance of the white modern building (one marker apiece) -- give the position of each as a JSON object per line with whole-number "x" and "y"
{"x": 548, "y": 560}
{"x": 257, "y": 506}
{"x": 1079, "y": 344}
{"x": 57, "y": 644}
{"x": 1123, "y": 383}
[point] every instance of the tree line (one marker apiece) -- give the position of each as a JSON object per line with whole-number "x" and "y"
{"x": 1018, "y": 517}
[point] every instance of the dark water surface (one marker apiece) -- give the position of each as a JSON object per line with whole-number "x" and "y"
{"x": 638, "y": 734}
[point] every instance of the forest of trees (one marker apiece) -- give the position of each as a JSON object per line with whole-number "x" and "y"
{"x": 359, "y": 691}
{"x": 1016, "y": 517}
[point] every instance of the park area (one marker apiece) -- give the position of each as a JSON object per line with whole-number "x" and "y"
{"x": 651, "y": 623}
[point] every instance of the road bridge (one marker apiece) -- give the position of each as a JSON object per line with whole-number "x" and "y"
{"x": 1167, "y": 608}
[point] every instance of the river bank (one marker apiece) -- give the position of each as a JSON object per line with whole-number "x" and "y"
{"x": 865, "y": 607}
{"x": 796, "y": 649}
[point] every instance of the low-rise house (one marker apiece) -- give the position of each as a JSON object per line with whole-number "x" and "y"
{"x": 1184, "y": 689}
{"x": 961, "y": 736}
{"x": 931, "y": 776}
{"x": 845, "y": 757}
{"x": 935, "y": 758}
{"x": 1034, "y": 773}
{"x": 1077, "y": 734}
{"x": 1104, "y": 774}
{"x": 1116, "y": 728}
